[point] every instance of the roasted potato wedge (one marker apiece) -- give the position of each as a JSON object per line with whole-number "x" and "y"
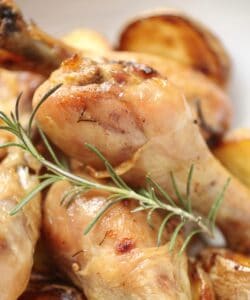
{"x": 172, "y": 34}
{"x": 87, "y": 40}
{"x": 229, "y": 272}
{"x": 201, "y": 284}
{"x": 234, "y": 154}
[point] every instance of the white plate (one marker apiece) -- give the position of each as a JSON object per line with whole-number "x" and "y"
{"x": 228, "y": 19}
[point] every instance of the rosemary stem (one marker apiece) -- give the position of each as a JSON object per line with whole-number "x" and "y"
{"x": 130, "y": 194}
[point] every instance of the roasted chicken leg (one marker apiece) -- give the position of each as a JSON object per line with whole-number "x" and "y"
{"x": 19, "y": 233}
{"x": 142, "y": 124}
{"x": 118, "y": 259}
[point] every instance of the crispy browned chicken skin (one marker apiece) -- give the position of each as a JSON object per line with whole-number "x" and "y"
{"x": 142, "y": 124}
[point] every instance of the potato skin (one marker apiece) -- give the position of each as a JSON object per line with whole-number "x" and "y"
{"x": 234, "y": 154}
{"x": 174, "y": 35}
{"x": 229, "y": 272}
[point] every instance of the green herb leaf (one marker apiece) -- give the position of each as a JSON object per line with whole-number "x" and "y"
{"x": 216, "y": 205}
{"x": 188, "y": 200}
{"x": 175, "y": 234}
{"x": 176, "y": 190}
{"x": 33, "y": 193}
{"x": 44, "y": 98}
{"x": 162, "y": 227}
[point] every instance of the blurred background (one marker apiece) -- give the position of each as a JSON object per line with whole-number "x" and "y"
{"x": 230, "y": 20}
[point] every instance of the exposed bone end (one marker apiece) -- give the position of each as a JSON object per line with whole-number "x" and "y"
{"x": 25, "y": 47}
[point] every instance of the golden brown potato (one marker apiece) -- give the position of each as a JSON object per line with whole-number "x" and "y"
{"x": 234, "y": 154}
{"x": 201, "y": 284}
{"x": 172, "y": 34}
{"x": 229, "y": 272}
{"x": 88, "y": 40}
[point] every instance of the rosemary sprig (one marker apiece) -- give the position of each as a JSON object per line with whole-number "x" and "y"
{"x": 148, "y": 199}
